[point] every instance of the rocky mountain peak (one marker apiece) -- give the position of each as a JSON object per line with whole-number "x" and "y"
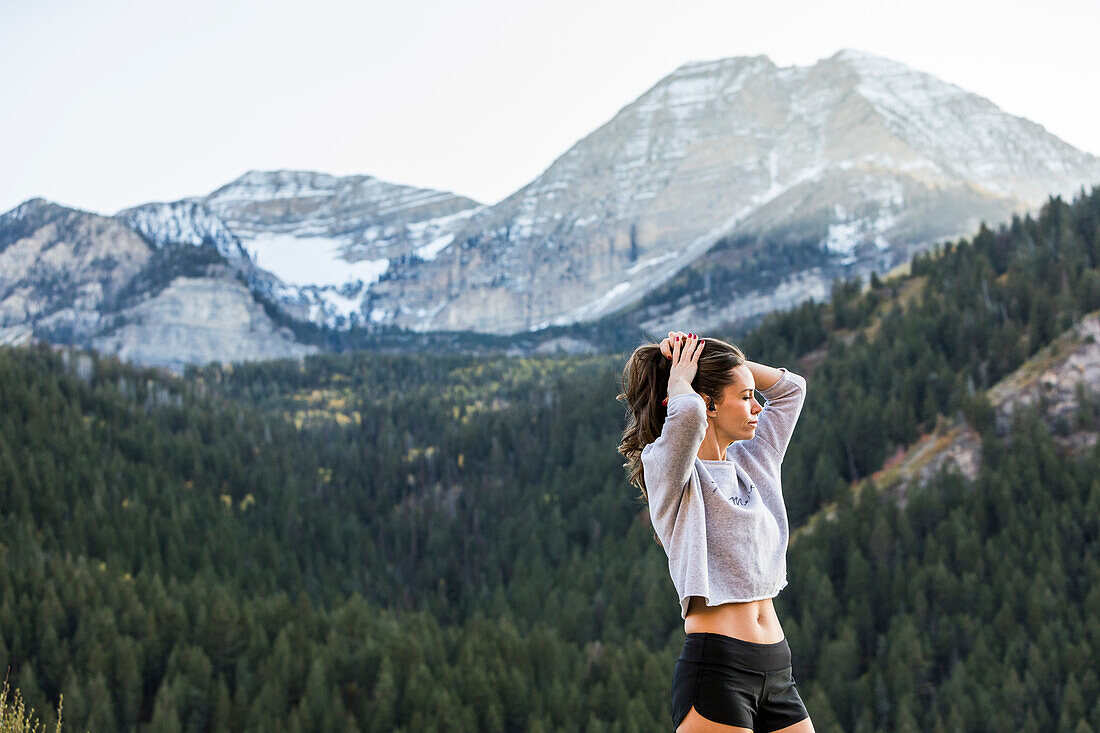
{"x": 27, "y": 207}
{"x": 856, "y": 156}
{"x": 257, "y": 185}
{"x": 32, "y": 210}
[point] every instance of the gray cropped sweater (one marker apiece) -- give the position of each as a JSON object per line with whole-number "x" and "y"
{"x": 723, "y": 523}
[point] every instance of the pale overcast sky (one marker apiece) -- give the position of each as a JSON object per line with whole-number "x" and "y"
{"x": 113, "y": 103}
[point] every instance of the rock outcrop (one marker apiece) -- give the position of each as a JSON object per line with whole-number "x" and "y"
{"x": 1054, "y": 380}
{"x": 198, "y": 320}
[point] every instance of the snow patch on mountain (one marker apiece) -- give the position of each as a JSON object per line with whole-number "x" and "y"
{"x": 652, "y": 261}
{"x": 434, "y": 247}
{"x": 311, "y": 260}
{"x": 846, "y": 233}
{"x": 600, "y": 303}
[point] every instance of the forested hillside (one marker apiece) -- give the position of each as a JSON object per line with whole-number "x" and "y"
{"x": 422, "y": 541}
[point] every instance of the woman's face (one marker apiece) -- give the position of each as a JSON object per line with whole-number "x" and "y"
{"x": 736, "y": 414}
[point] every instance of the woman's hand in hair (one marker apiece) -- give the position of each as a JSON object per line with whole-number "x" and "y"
{"x": 666, "y": 345}
{"x": 684, "y": 350}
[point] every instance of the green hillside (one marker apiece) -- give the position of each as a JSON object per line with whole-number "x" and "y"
{"x": 423, "y": 541}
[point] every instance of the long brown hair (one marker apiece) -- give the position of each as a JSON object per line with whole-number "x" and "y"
{"x": 645, "y": 384}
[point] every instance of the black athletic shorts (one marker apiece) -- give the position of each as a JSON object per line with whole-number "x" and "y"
{"x": 736, "y": 682}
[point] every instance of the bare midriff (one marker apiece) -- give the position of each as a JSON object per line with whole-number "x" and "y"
{"x": 753, "y": 621}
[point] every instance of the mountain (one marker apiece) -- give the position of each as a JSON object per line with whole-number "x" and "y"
{"x": 75, "y": 277}
{"x": 314, "y": 242}
{"x": 856, "y": 156}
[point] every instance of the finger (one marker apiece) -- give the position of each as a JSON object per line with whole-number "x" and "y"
{"x": 676, "y": 351}
{"x": 698, "y": 350}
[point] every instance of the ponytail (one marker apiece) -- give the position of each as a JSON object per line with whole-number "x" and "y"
{"x": 645, "y": 385}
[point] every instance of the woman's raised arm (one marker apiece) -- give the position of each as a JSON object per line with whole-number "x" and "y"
{"x": 785, "y": 393}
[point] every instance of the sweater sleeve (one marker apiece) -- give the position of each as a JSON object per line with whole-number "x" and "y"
{"x": 667, "y": 462}
{"x": 777, "y": 420}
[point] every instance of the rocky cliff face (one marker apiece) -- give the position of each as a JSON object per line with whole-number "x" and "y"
{"x": 195, "y": 320}
{"x": 59, "y": 268}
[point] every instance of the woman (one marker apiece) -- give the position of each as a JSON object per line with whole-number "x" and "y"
{"x": 706, "y": 457}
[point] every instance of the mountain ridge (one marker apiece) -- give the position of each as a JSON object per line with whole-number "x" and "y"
{"x": 845, "y": 167}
